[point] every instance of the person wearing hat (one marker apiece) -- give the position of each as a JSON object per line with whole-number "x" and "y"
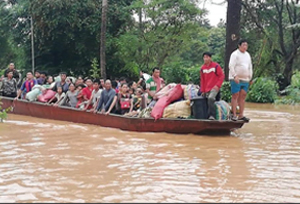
{"x": 211, "y": 77}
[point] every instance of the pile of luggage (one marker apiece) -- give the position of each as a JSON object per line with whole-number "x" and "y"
{"x": 183, "y": 101}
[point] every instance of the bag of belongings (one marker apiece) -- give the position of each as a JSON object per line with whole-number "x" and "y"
{"x": 222, "y": 110}
{"x": 181, "y": 109}
{"x": 191, "y": 91}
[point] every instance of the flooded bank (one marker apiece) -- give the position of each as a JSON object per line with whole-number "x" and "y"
{"x": 54, "y": 161}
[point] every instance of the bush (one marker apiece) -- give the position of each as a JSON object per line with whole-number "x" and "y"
{"x": 263, "y": 90}
{"x": 292, "y": 98}
{"x": 292, "y": 91}
{"x": 226, "y": 91}
{"x": 179, "y": 73}
{"x": 295, "y": 83}
{"x": 3, "y": 112}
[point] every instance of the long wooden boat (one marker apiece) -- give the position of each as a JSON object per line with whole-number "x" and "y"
{"x": 178, "y": 126}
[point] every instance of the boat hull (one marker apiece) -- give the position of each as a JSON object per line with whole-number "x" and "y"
{"x": 177, "y": 126}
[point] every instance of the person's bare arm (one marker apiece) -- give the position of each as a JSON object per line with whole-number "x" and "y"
{"x": 131, "y": 105}
{"x": 112, "y": 105}
{"x": 51, "y": 99}
{"x": 89, "y": 102}
{"x": 19, "y": 94}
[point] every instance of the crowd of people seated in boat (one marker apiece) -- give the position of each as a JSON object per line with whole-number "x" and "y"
{"x": 118, "y": 96}
{"x": 122, "y": 97}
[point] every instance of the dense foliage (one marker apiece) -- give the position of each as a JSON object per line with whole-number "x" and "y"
{"x": 3, "y": 112}
{"x": 292, "y": 92}
{"x": 263, "y": 90}
{"x": 142, "y": 34}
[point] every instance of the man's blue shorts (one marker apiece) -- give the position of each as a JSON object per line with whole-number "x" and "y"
{"x": 235, "y": 88}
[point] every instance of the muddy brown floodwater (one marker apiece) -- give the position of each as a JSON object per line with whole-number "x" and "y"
{"x": 53, "y": 161}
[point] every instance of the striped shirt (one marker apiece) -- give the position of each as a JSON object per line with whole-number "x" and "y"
{"x": 151, "y": 85}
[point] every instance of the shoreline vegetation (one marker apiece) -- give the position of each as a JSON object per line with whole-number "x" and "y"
{"x": 141, "y": 35}
{"x": 3, "y": 112}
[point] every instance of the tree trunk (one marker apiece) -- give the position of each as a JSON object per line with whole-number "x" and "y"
{"x": 232, "y": 30}
{"x": 287, "y": 74}
{"x": 103, "y": 39}
{"x": 140, "y": 49}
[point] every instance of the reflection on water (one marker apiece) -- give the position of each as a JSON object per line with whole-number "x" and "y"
{"x": 43, "y": 160}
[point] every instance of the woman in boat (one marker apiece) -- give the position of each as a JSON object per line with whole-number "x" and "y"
{"x": 49, "y": 83}
{"x": 122, "y": 102}
{"x": 59, "y": 96}
{"x": 70, "y": 99}
{"x": 79, "y": 81}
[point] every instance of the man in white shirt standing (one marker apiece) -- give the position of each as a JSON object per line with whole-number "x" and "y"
{"x": 240, "y": 75}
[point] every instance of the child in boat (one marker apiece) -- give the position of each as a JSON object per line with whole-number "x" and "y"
{"x": 86, "y": 94}
{"x": 96, "y": 94}
{"x": 137, "y": 99}
{"x": 139, "y": 102}
{"x": 59, "y": 96}
{"x": 80, "y": 99}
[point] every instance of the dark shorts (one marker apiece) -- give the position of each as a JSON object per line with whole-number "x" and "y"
{"x": 235, "y": 88}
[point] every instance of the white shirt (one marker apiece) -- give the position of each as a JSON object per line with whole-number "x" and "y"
{"x": 96, "y": 95}
{"x": 61, "y": 96}
{"x": 146, "y": 76}
{"x": 240, "y": 65}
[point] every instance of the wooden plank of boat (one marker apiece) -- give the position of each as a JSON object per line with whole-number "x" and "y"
{"x": 178, "y": 126}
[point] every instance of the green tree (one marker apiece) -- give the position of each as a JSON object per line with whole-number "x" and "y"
{"x": 166, "y": 30}
{"x": 277, "y": 20}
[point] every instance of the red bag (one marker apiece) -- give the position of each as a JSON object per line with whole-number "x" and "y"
{"x": 125, "y": 102}
{"x": 175, "y": 94}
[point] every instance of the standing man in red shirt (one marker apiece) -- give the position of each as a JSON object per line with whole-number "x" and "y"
{"x": 211, "y": 77}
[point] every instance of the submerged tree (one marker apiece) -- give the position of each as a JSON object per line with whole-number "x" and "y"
{"x": 232, "y": 30}
{"x": 103, "y": 39}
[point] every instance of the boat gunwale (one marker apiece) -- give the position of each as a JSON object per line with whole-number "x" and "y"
{"x": 126, "y": 117}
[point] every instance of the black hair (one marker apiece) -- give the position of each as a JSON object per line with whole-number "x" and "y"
{"x": 71, "y": 80}
{"x": 123, "y": 84}
{"x": 80, "y": 76}
{"x": 140, "y": 87}
{"x": 96, "y": 81}
{"x": 155, "y": 68}
{"x": 114, "y": 84}
{"x": 207, "y": 53}
{"x": 87, "y": 79}
{"x": 130, "y": 83}
{"x": 81, "y": 85}
{"x": 122, "y": 79}
{"x": 63, "y": 73}
{"x": 43, "y": 72}
{"x": 242, "y": 41}
{"x": 37, "y": 71}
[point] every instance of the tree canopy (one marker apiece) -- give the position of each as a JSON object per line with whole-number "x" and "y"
{"x": 142, "y": 34}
